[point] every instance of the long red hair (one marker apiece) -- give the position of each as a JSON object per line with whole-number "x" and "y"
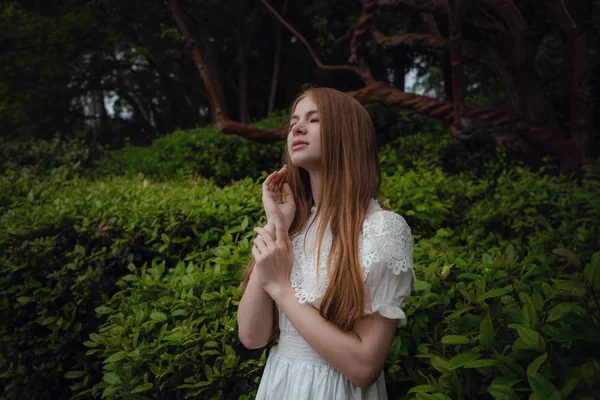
{"x": 350, "y": 178}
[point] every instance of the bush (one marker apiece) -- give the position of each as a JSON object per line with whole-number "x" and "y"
{"x": 204, "y": 151}
{"x": 67, "y": 243}
{"x": 127, "y": 287}
{"x": 44, "y": 156}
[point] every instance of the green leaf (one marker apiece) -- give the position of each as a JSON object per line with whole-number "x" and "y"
{"x": 502, "y": 392}
{"x": 509, "y": 255}
{"x": 143, "y": 387}
{"x": 530, "y": 317}
{"x": 560, "y": 310}
{"x": 542, "y": 387}
{"x": 455, "y": 339}
{"x": 74, "y": 374}
{"x": 486, "y": 259}
{"x": 165, "y": 238}
{"x": 48, "y": 321}
{"x": 457, "y": 313}
{"x": 480, "y": 363}
{"x": 592, "y": 270}
{"x": 174, "y": 336}
{"x": 440, "y": 364}
{"x": 111, "y": 378}
{"x": 158, "y": 316}
{"x": 532, "y": 369}
{"x": 494, "y": 293}
{"x": 530, "y": 339}
{"x": 118, "y": 356}
{"x": 568, "y": 255}
{"x": 110, "y": 390}
{"x": 486, "y": 332}
{"x": 568, "y": 387}
{"x": 208, "y": 372}
{"x": 244, "y": 223}
{"x": 422, "y": 389}
{"x": 463, "y": 358}
{"x": 103, "y": 310}
{"x": 506, "y": 360}
{"x": 25, "y": 300}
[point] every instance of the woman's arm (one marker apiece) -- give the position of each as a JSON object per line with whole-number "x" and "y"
{"x": 359, "y": 355}
{"x": 255, "y": 313}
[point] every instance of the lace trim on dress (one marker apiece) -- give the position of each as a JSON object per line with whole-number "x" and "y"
{"x": 385, "y": 237}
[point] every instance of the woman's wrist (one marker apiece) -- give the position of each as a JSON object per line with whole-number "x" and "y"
{"x": 278, "y": 290}
{"x": 270, "y": 227}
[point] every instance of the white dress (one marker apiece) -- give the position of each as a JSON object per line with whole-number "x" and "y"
{"x": 294, "y": 371}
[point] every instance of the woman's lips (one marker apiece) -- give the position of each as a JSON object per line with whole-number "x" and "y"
{"x": 298, "y": 146}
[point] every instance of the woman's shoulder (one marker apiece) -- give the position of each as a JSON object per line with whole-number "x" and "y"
{"x": 382, "y": 222}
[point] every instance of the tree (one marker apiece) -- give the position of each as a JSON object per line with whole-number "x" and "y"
{"x": 495, "y": 35}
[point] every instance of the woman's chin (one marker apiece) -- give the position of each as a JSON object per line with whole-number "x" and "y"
{"x": 303, "y": 163}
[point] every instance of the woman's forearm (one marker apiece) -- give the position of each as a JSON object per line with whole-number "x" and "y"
{"x": 255, "y": 314}
{"x": 343, "y": 350}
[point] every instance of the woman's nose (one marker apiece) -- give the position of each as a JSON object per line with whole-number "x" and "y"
{"x": 299, "y": 129}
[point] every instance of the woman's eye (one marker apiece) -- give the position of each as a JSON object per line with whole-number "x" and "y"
{"x": 314, "y": 120}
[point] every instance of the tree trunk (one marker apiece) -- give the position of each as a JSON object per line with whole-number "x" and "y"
{"x": 580, "y": 99}
{"x": 201, "y": 54}
{"x": 276, "y": 61}
{"x": 243, "y": 79}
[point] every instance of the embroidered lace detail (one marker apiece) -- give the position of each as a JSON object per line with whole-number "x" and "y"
{"x": 385, "y": 237}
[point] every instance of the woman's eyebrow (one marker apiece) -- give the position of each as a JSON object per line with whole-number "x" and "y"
{"x": 308, "y": 114}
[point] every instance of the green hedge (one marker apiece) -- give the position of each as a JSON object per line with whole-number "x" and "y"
{"x": 127, "y": 287}
{"x": 202, "y": 152}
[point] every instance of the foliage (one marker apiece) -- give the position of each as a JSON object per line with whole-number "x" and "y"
{"x": 44, "y": 156}
{"x": 127, "y": 286}
{"x": 203, "y": 151}
{"x": 508, "y": 286}
{"x": 66, "y": 244}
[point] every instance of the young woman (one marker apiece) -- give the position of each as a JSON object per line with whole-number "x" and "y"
{"x": 332, "y": 268}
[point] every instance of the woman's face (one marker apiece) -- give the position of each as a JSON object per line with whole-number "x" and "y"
{"x": 304, "y": 137}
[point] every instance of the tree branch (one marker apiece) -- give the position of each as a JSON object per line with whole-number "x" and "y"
{"x": 410, "y": 40}
{"x": 222, "y": 122}
{"x": 307, "y": 45}
{"x": 429, "y": 6}
{"x": 430, "y": 25}
{"x": 250, "y": 132}
{"x": 340, "y": 39}
{"x": 359, "y": 35}
{"x": 456, "y": 63}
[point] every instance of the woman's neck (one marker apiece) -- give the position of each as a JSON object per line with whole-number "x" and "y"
{"x": 315, "y": 186}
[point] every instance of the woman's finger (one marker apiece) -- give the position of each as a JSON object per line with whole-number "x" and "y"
{"x": 272, "y": 177}
{"x": 287, "y": 191}
{"x": 266, "y": 236}
{"x": 260, "y": 244}
{"x": 280, "y": 233}
{"x": 280, "y": 178}
{"x": 282, "y": 181}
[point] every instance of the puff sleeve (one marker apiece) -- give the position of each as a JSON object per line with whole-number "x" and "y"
{"x": 388, "y": 264}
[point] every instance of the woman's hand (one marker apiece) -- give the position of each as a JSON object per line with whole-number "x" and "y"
{"x": 271, "y": 196}
{"x": 273, "y": 256}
